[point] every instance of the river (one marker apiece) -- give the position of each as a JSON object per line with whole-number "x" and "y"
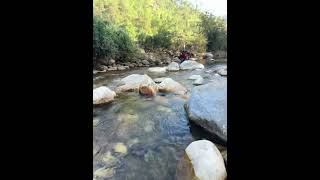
{"x": 143, "y": 138}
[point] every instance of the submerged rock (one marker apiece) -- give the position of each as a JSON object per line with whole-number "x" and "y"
{"x": 104, "y": 172}
{"x": 171, "y": 86}
{"x": 207, "y": 107}
{"x": 120, "y": 148}
{"x": 148, "y": 126}
{"x": 164, "y": 109}
{"x": 132, "y": 142}
{"x": 128, "y": 118}
{"x": 95, "y": 122}
{"x": 202, "y": 161}
{"x": 173, "y": 66}
{"x": 190, "y": 65}
{"x": 109, "y": 160}
{"x": 103, "y": 95}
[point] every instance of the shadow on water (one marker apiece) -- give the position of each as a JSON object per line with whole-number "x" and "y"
{"x": 199, "y": 133}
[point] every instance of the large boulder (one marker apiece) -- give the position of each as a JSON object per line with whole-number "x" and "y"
{"x": 103, "y": 95}
{"x": 190, "y": 65}
{"x": 207, "y": 107}
{"x": 173, "y": 66}
{"x": 202, "y": 161}
{"x": 157, "y": 70}
{"x": 133, "y": 82}
{"x": 168, "y": 85}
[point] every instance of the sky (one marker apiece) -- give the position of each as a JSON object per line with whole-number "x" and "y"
{"x": 216, "y": 7}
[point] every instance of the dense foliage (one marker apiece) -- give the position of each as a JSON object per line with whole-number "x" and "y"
{"x": 215, "y": 31}
{"x": 153, "y": 24}
{"x": 110, "y": 41}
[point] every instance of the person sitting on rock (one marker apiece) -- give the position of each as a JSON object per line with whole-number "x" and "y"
{"x": 183, "y": 56}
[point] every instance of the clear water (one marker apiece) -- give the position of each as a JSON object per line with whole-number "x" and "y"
{"x": 154, "y": 130}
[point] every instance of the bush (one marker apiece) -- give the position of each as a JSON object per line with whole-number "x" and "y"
{"x": 110, "y": 41}
{"x": 103, "y": 35}
{"x": 124, "y": 44}
{"x": 216, "y": 32}
{"x": 163, "y": 39}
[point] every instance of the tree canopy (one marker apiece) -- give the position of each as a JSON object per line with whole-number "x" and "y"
{"x": 160, "y": 24}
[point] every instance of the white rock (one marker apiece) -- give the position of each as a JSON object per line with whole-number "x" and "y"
{"x": 190, "y": 65}
{"x": 104, "y": 172}
{"x": 206, "y": 161}
{"x": 133, "y": 82}
{"x": 103, "y": 95}
{"x": 173, "y": 66}
{"x": 194, "y": 77}
{"x": 169, "y": 85}
{"x": 159, "y": 70}
{"x": 198, "y": 81}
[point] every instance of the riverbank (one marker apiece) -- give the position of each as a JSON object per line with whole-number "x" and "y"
{"x": 153, "y": 59}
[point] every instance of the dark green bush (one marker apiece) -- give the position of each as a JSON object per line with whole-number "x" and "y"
{"x": 163, "y": 39}
{"x": 124, "y": 44}
{"x": 110, "y": 41}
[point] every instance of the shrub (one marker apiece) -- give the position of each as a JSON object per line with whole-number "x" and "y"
{"x": 110, "y": 41}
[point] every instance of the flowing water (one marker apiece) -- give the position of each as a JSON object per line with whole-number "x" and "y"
{"x": 143, "y": 138}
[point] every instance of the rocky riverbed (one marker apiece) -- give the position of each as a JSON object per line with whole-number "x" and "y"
{"x": 145, "y": 120}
